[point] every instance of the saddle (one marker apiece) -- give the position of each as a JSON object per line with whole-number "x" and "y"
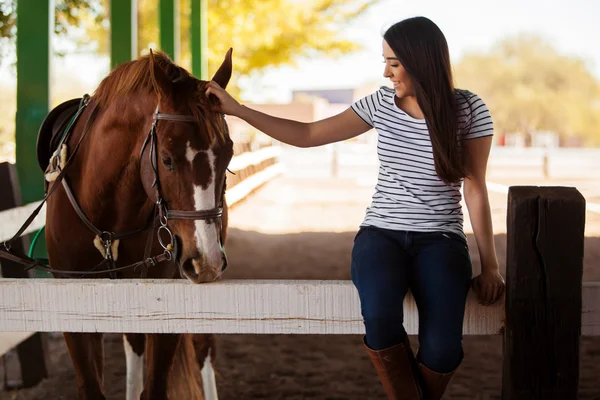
{"x": 52, "y": 130}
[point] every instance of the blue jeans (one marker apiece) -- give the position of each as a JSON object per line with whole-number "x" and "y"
{"x": 436, "y": 267}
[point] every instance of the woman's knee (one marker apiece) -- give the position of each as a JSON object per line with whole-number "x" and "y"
{"x": 439, "y": 352}
{"x": 379, "y": 273}
{"x": 383, "y": 332}
{"x": 383, "y": 318}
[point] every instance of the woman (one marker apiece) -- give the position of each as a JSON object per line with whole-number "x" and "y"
{"x": 431, "y": 138}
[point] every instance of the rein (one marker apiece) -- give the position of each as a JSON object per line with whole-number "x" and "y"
{"x": 161, "y": 212}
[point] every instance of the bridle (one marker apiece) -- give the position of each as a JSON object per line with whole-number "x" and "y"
{"x": 162, "y": 214}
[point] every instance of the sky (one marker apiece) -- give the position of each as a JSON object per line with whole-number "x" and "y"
{"x": 469, "y": 25}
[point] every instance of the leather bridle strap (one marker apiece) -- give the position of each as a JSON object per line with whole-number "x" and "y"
{"x": 83, "y": 217}
{"x": 193, "y": 215}
{"x": 30, "y": 263}
{"x": 173, "y": 117}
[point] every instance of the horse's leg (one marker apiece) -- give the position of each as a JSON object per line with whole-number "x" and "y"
{"x": 134, "y": 345}
{"x": 209, "y": 381}
{"x": 160, "y": 352}
{"x": 87, "y": 354}
{"x": 205, "y": 348}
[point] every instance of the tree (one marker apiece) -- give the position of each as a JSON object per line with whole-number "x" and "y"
{"x": 528, "y": 86}
{"x": 262, "y": 33}
{"x": 69, "y": 15}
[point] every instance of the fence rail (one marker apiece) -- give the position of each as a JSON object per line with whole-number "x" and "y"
{"x": 504, "y": 162}
{"x": 234, "y": 306}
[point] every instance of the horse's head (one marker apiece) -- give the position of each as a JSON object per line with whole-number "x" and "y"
{"x": 183, "y": 166}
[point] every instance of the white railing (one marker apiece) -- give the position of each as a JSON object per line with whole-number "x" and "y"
{"x": 234, "y": 306}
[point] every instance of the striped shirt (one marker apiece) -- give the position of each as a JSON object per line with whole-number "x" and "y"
{"x": 409, "y": 195}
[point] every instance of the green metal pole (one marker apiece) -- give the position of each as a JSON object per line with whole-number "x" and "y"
{"x": 123, "y": 31}
{"x": 199, "y": 38}
{"x": 35, "y": 24}
{"x": 168, "y": 23}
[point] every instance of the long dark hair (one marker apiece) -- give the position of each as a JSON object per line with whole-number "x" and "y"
{"x": 421, "y": 48}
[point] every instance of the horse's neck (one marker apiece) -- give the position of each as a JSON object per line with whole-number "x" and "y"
{"x": 108, "y": 184}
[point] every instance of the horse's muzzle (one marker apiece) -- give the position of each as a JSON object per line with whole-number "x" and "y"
{"x": 198, "y": 270}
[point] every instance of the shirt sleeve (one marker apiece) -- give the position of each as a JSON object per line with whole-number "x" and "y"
{"x": 365, "y": 107}
{"x": 481, "y": 123}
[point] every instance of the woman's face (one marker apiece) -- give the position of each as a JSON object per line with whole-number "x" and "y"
{"x": 396, "y": 73}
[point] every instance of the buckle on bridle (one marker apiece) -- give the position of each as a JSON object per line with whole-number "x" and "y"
{"x": 106, "y": 238}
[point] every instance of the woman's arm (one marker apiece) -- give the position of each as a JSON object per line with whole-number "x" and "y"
{"x": 340, "y": 127}
{"x": 490, "y": 284}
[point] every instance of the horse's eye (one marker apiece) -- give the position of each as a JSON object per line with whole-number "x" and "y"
{"x": 168, "y": 162}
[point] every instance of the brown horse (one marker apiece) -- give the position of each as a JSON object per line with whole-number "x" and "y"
{"x": 147, "y": 177}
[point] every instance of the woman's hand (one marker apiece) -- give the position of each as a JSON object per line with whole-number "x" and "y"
{"x": 228, "y": 105}
{"x": 489, "y": 286}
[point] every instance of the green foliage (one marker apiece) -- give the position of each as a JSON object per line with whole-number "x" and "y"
{"x": 262, "y": 33}
{"x": 69, "y": 15}
{"x": 528, "y": 86}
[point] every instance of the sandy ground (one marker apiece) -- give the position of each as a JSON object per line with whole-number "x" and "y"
{"x": 302, "y": 228}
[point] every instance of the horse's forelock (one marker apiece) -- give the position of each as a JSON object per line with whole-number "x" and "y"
{"x": 138, "y": 77}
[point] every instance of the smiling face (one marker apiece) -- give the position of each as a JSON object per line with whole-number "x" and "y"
{"x": 396, "y": 73}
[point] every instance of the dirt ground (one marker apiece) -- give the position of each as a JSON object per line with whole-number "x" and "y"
{"x": 285, "y": 232}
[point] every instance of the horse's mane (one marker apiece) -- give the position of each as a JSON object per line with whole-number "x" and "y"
{"x": 136, "y": 76}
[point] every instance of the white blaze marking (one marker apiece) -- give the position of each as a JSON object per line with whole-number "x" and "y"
{"x": 208, "y": 380}
{"x": 135, "y": 372}
{"x": 204, "y": 199}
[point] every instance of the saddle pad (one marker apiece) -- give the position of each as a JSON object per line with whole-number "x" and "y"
{"x": 52, "y": 129}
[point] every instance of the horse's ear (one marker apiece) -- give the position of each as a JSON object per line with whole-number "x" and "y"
{"x": 160, "y": 81}
{"x": 223, "y": 74}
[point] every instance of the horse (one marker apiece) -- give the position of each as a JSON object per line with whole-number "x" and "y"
{"x": 142, "y": 167}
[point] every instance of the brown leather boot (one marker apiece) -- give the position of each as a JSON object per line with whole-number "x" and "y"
{"x": 397, "y": 370}
{"x": 434, "y": 384}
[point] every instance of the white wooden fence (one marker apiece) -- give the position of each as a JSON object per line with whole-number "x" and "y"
{"x": 229, "y": 306}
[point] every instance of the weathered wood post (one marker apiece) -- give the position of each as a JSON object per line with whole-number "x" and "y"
{"x": 31, "y": 350}
{"x": 544, "y": 268}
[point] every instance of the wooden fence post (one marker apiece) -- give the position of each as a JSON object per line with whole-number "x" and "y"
{"x": 544, "y": 268}
{"x": 32, "y": 356}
